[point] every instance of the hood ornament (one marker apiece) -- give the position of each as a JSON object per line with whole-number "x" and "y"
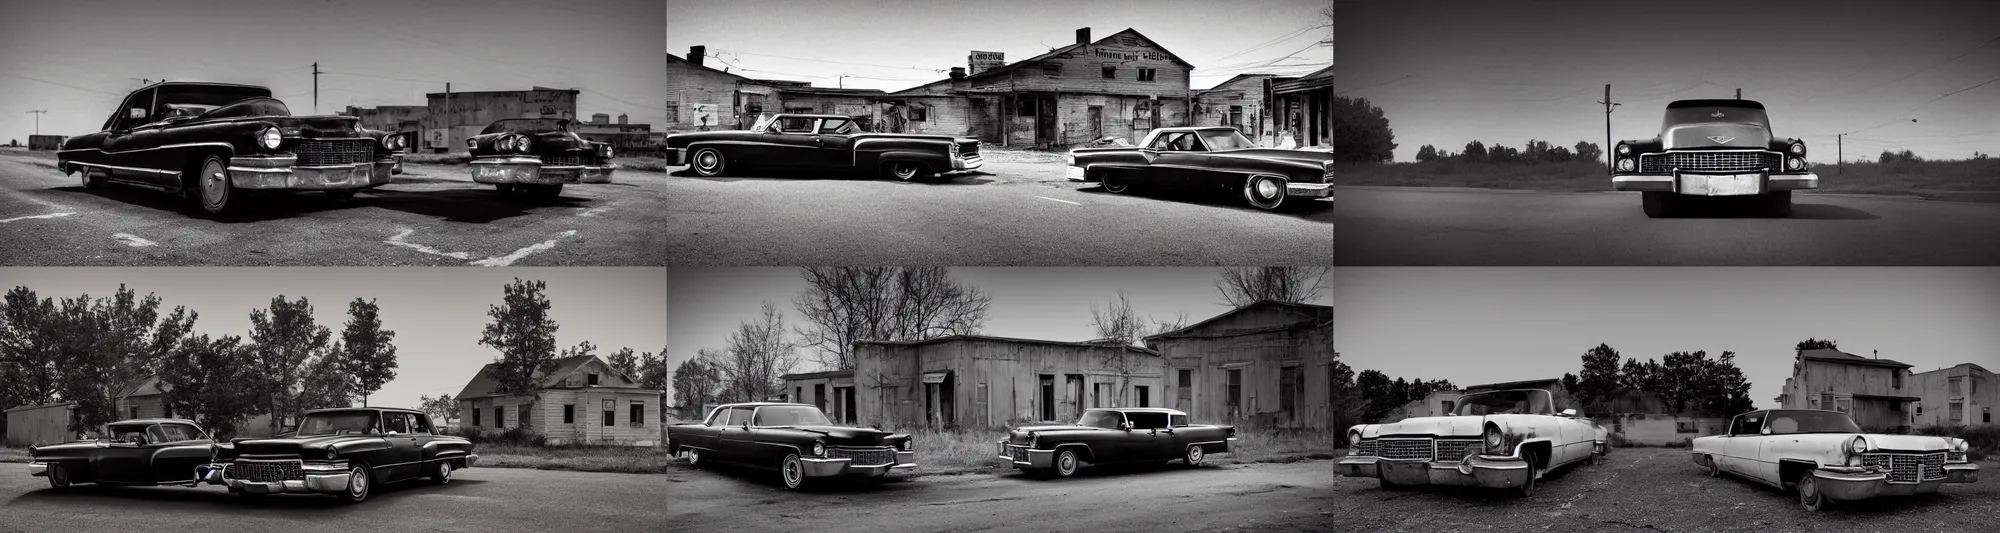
{"x": 1721, "y": 139}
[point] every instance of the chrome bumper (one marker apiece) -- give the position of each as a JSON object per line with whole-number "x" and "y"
{"x": 1309, "y": 190}
{"x": 1488, "y": 471}
{"x": 1038, "y": 459}
{"x": 470, "y": 460}
{"x": 316, "y": 479}
{"x": 38, "y": 469}
{"x": 818, "y": 467}
{"x": 530, "y": 170}
{"x": 1671, "y": 183}
{"x": 967, "y": 162}
{"x": 1074, "y": 173}
{"x": 1847, "y": 484}
{"x": 283, "y": 173}
{"x": 384, "y": 168}
{"x": 676, "y": 157}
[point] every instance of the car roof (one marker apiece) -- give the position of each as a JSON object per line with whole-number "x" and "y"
{"x": 336, "y": 409}
{"x": 151, "y": 421}
{"x": 758, "y": 404}
{"x": 803, "y": 115}
{"x": 1748, "y": 104}
{"x": 1139, "y": 410}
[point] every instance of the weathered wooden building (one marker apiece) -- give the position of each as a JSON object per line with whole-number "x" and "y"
{"x": 1962, "y": 395}
{"x": 831, "y": 391}
{"x": 702, "y": 98}
{"x": 1304, "y": 108}
{"x": 1264, "y": 364}
{"x": 584, "y": 400}
{"x": 452, "y": 117}
{"x": 1123, "y": 85}
{"x": 39, "y": 425}
{"x": 1241, "y": 103}
{"x": 991, "y": 382}
{"x": 1876, "y": 393}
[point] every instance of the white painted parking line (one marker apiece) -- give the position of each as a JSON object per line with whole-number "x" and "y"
{"x": 1055, "y": 200}
{"x": 134, "y": 240}
{"x": 593, "y": 211}
{"x": 398, "y": 241}
{"x": 50, "y": 215}
{"x": 509, "y": 259}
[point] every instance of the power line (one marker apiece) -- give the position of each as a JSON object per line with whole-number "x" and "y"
{"x": 1935, "y": 65}
{"x": 85, "y": 89}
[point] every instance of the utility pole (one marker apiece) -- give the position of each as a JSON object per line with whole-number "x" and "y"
{"x": 1840, "y": 153}
{"x": 1609, "y": 154}
{"x": 315, "y": 87}
{"x": 1739, "y": 93}
{"x": 38, "y": 119}
{"x": 448, "y": 145}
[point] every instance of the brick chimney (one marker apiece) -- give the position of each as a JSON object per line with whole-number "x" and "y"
{"x": 957, "y": 72}
{"x": 1083, "y": 36}
{"x": 695, "y": 53}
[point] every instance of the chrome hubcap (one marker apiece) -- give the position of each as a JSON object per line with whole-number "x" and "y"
{"x": 1267, "y": 188}
{"x": 1194, "y": 455}
{"x": 444, "y": 471}
{"x": 1068, "y": 463}
{"x": 792, "y": 472}
{"x": 705, "y": 161}
{"x": 358, "y": 481}
{"x": 905, "y": 171}
{"x": 214, "y": 184}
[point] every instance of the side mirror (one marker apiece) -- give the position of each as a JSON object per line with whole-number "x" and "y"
{"x": 1569, "y": 413}
{"x": 1765, "y": 431}
{"x": 136, "y": 112}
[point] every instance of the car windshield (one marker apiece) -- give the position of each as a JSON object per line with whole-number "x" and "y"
{"x": 1680, "y": 116}
{"x": 1219, "y": 140}
{"x": 1506, "y": 402}
{"x": 1100, "y": 419}
{"x": 789, "y": 415}
{"x": 187, "y": 110}
{"x": 519, "y": 125}
{"x": 173, "y": 433}
{"x": 211, "y": 96}
{"x": 338, "y": 423}
{"x": 128, "y": 433}
{"x": 1791, "y": 422}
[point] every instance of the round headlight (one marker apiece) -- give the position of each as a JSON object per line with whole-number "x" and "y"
{"x": 331, "y": 453}
{"x": 1353, "y": 438}
{"x": 906, "y": 445}
{"x": 819, "y": 448}
{"x": 1624, "y": 149}
{"x": 1959, "y": 445}
{"x": 399, "y": 141}
{"x": 1493, "y": 441}
{"x": 1858, "y": 445}
{"x": 1798, "y": 148}
{"x": 1796, "y": 163}
{"x": 1625, "y": 164}
{"x": 521, "y": 143}
{"x": 270, "y": 138}
{"x": 472, "y": 143}
{"x": 607, "y": 152}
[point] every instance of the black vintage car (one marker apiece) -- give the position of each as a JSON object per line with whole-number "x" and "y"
{"x": 537, "y": 156}
{"x": 1713, "y": 148}
{"x": 821, "y": 142}
{"x": 796, "y": 440}
{"x": 1116, "y": 435}
{"x": 345, "y": 452}
{"x": 144, "y": 451}
{"x": 1209, "y": 159}
{"x": 215, "y": 143}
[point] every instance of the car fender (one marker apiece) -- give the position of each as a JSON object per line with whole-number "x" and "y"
{"x": 934, "y": 161}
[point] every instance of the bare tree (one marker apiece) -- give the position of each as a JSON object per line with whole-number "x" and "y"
{"x": 1118, "y": 325}
{"x": 758, "y": 353}
{"x": 842, "y": 305}
{"x": 1242, "y": 286}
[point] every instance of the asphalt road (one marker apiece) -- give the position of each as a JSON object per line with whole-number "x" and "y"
{"x": 429, "y": 216}
{"x": 1653, "y": 489}
{"x": 1398, "y": 226}
{"x": 1016, "y": 210}
{"x": 1252, "y": 497}
{"x": 477, "y": 500}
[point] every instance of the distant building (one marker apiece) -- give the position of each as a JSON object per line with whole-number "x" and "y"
{"x": 583, "y": 401}
{"x": 405, "y": 120}
{"x": 45, "y": 142}
{"x": 1876, "y": 393}
{"x": 1266, "y": 364}
{"x": 1304, "y": 108}
{"x": 990, "y": 382}
{"x": 39, "y": 425}
{"x": 1241, "y": 103}
{"x": 454, "y": 117}
{"x": 832, "y": 392}
{"x": 1963, "y": 395}
{"x": 702, "y": 98}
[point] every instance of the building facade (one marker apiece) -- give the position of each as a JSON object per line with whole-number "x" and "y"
{"x": 993, "y": 382}
{"x": 39, "y": 425}
{"x": 1304, "y": 109}
{"x": 1963, "y": 395}
{"x": 1876, "y": 393}
{"x": 1241, "y": 103}
{"x": 832, "y": 392}
{"x": 1266, "y": 364}
{"x": 583, "y": 401}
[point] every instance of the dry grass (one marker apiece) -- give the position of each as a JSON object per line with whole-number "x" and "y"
{"x": 13, "y": 455}
{"x": 623, "y": 459}
{"x": 1894, "y": 178}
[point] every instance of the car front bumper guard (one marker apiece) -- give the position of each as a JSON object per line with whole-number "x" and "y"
{"x": 823, "y": 467}
{"x": 530, "y": 170}
{"x": 1672, "y": 183}
{"x": 38, "y": 469}
{"x": 1856, "y": 483}
{"x": 1487, "y": 471}
{"x": 1037, "y": 459}
{"x": 1309, "y": 190}
{"x": 967, "y": 162}
{"x": 283, "y": 172}
{"x": 314, "y": 479}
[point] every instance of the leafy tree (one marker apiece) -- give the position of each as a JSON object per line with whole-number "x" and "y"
{"x": 1599, "y": 379}
{"x": 1816, "y": 344}
{"x": 1569, "y": 383}
{"x": 1348, "y": 403}
{"x": 759, "y": 352}
{"x": 370, "y": 351}
{"x": 1427, "y": 154}
{"x": 1374, "y": 387}
{"x": 843, "y": 305}
{"x": 695, "y": 384}
{"x": 653, "y": 370}
{"x": 1242, "y": 286}
{"x": 115, "y": 341}
{"x": 525, "y": 336}
{"x": 33, "y": 334}
{"x": 325, "y": 382}
{"x": 202, "y": 379}
{"x": 443, "y": 409}
{"x": 1361, "y": 133}
{"x": 1474, "y": 151}
{"x": 625, "y": 361}
{"x": 1587, "y": 151}
{"x": 287, "y": 344}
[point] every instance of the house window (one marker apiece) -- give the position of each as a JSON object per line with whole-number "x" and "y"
{"x": 1100, "y": 395}
{"x": 638, "y": 417}
{"x": 475, "y": 417}
{"x": 819, "y": 395}
{"x": 569, "y": 413}
{"x": 609, "y": 417}
{"x": 135, "y": 411}
{"x": 1147, "y": 74}
{"x": 1110, "y": 72}
{"x": 1896, "y": 379}
{"x": 1140, "y": 390}
{"x": 1842, "y": 404}
{"x": 1184, "y": 384}
{"x": 1957, "y": 412}
{"x": 1288, "y": 390}
{"x": 524, "y": 417}
{"x": 1235, "y": 391}
{"x": 590, "y": 380}
{"x": 1920, "y": 409}
{"x": 920, "y": 114}
{"x": 1684, "y": 426}
{"x": 1024, "y": 108}
{"x": 799, "y": 394}
{"x": 1048, "y": 396}
{"x": 1051, "y": 69}
{"x": 499, "y": 417}
{"x": 1986, "y": 415}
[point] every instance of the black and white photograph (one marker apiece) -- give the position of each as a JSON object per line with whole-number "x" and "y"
{"x": 1669, "y": 399}
{"x": 332, "y": 133}
{"x": 1015, "y": 399}
{"x": 1018, "y": 133}
{"x": 1669, "y": 133}
{"x": 332, "y": 399}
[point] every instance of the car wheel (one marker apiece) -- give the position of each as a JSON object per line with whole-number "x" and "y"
{"x": 212, "y": 187}
{"x": 1777, "y": 204}
{"x": 1114, "y": 184}
{"x": 58, "y": 478}
{"x": 1656, "y": 204}
{"x": 908, "y": 171}
{"x": 792, "y": 472}
{"x": 708, "y": 162}
{"x": 360, "y": 482}
{"x": 341, "y": 195}
{"x": 1066, "y": 463}
{"x": 1809, "y": 495}
{"x": 1714, "y": 468}
{"x": 694, "y": 458}
{"x": 1194, "y": 455}
{"x": 91, "y": 180}
{"x": 1527, "y": 488}
{"x": 441, "y": 474}
{"x": 1592, "y": 458}
{"x": 1264, "y": 192}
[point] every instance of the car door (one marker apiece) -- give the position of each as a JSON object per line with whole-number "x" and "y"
{"x": 1175, "y": 159}
{"x": 1741, "y": 450}
{"x": 178, "y": 450}
{"x": 735, "y": 443}
{"x": 833, "y": 148}
{"x": 796, "y": 144}
{"x": 1157, "y": 443}
{"x": 402, "y": 458}
{"x": 122, "y": 458}
{"x": 424, "y": 433}
{"x": 130, "y": 146}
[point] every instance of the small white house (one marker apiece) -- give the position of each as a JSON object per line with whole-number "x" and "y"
{"x": 584, "y": 401}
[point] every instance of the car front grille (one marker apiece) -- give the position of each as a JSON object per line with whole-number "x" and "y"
{"x": 1710, "y": 161}
{"x": 1908, "y": 467}
{"x": 871, "y": 456}
{"x": 1452, "y": 449}
{"x": 328, "y": 152}
{"x": 1017, "y": 452}
{"x": 264, "y": 471}
{"x": 1406, "y": 449}
{"x": 569, "y": 159}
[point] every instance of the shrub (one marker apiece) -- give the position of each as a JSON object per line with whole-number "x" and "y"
{"x": 517, "y": 436}
{"x": 1983, "y": 440}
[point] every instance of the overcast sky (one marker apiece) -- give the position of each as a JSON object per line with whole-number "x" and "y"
{"x": 1494, "y": 324}
{"x": 1446, "y": 73}
{"x": 1028, "y": 302}
{"x": 437, "y": 313}
{"x": 79, "y": 58}
{"x": 911, "y": 43}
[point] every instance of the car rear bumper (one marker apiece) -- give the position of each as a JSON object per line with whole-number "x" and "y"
{"x": 283, "y": 173}
{"x": 1848, "y": 486}
{"x": 816, "y": 467}
{"x": 1488, "y": 471}
{"x": 530, "y": 170}
{"x": 1309, "y": 190}
{"x": 1671, "y": 183}
{"x": 38, "y": 469}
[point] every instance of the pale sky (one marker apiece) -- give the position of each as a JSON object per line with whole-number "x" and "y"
{"x": 437, "y": 313}
{"x": 1028, "y": 302}
{"x": 898, "y": 45}
{"x": 1446, "y": 73}
{"x": 1497, "y": 324}
{"x": 79, "y": 58}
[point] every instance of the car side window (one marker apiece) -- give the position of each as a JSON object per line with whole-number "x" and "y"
{"x": 123, "y": 120}
{"x": 1164, "y": 141}
{"x": 795, "y": 125}
{"x": 419, "y": 423}
{"x": 1148, "y": 420}
{"x": 1177, "y": 420}
{"x": 832, "y": 126}
{"x": 740, "y": 416}
{"x": 396, "y": 422}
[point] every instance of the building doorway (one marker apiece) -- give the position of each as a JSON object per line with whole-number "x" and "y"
{"x": 1048, "y": 397}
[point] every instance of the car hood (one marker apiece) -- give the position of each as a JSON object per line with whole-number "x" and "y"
{"x": 292, "y": 445}
{"x": 1908, "y": 443}
{"x": 558, "y": 141}
{"x": 1452, "y": 426}
{"x": 1314, "y": 157}
{"x": 846, "y": 436}
{"x": 1716, "y": 136}
{"x": 960, "y": 140}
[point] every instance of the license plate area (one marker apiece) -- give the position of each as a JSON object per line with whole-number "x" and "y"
{"x": 1721, "y": 184}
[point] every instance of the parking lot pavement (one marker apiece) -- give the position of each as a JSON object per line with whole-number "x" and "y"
{"x": 1015, "y": 210}
{"x": 1252, "y": 497}
{"x": 1652, "y": 489}
{"x": 431, "y": 215}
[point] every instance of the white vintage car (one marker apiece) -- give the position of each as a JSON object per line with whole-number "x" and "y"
{"x": 1826, "y": 458}
{"x": 1503, "y": 439}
